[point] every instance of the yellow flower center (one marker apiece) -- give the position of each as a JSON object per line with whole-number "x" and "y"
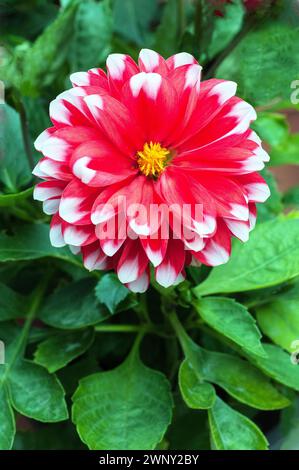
{"x": 152, "y": 159}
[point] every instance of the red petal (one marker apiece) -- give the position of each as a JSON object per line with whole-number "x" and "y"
{"x": 151, "y": 61}
{"x": 168, "y": 271}
{"x": 98, "y": 163}
{"x": 120, "y": 68}
{"x": 132, "y": 263}
{"x": 217, "y": 249}
{"x": 153, "y": 102}
{"x": 76, "y": 203}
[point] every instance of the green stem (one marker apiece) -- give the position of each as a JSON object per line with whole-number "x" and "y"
{"x": 181, "y": 333}
{"x": 147, "y": 328}
{"x": 120, "y": 328}
{"x": 191, "y": 350}
{"x": 228, "y": 49}
{"x": 173, "y": 354}
{"x": 138, "y": 339}
{"x": 34, "y": 306}
{"x": 8, "y": 181}
{"x": 20, "y": 345}
{"x": 181, "y": 17}
{"x": 142, "y": 309}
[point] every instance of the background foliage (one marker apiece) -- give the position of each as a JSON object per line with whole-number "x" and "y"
{"x": 89, "y": 364}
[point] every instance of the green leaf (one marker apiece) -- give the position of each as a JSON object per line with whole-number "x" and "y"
{"x": 232, "y": 320}
{"x": 26, "y": 19}
{"x": 291, "y": 198}
{"x": 132, "y": 19}
{"x": 278, "y": 366}
{"x": 36, "y": 394}
{"x": 267, "y": 49}
{"x": 196, "y": 393}
{"x": 41, "y": 62}
{"x": 231, "y": 430}
{"x": 14, "y": 167}
{"x": 167, "y": 34}
{"x": 111, "y": 292}
{"x": 195, "y": 435}
{"x": 83, "y": 311}
{"x": 272, "y": 128}
{"x": 7, "y": 200}
{"x": 239, "y": 378}
{"x": 37, "y": 115}
{"x": 7, "y": 422}
{"x": 290, "y": 427}
{"x": 270, "y": 257}
{"x": 226, "y": 27}
{"x": 287, "y": 152}
{"x": 31, "y": 242}
{"x": 61, "y": 348}
{"x": 127, "y": 408}
{"x": 32, "y": 391}
{"x": 92, "y": 36}
{"x": 279, "y": 319}
{"x": 273, "y": 206}
{"x": 242, "y": 381}
{"x": 12, "y": 304}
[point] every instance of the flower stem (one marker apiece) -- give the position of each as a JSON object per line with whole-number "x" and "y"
{"x": 20, "y": 345}
{"x": 34, "y": 306}
{"x": 228, "y": 49}
{"x": 181, "y": 17}
{"x": 181, "y": 333}
{"x": 120, "y": 328}
{"x": 138, "y": 339}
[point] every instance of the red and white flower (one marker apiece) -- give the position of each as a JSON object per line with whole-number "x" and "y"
{"x": 151, "y": 135}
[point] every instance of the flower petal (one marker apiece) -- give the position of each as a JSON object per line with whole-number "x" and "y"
{"x": 117, "y": 123}
{"x": 168, "y": 271}
{"x": 120, "y": 68}
{"x": 188, "y": 200}
{"x": 56, "y": 237}
{"x": 48, "y": 189}
{"x": 78, "y": 235}
{"x": 93, "y": 257}
{"x": 76, "y": 203}
{"x": 94, "y": 77}
{"x": 141, "y": 284}
{"x": 155, "y": 248}
{"x": 153, "y": 102}
{"x": 151, "y": 61}
{"x": 97, "y": 163}
{"x": 217, "y": 249}
{"x": 255, "y": 186}
{"x": 132, "y": 263}
{"x": 49, "y": 169}
{"x": 180, "y": 59}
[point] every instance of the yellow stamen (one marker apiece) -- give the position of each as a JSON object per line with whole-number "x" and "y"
{"x": 152, "y": 159}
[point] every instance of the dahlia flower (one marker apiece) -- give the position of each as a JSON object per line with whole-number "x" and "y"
{"x": 147, "y": 165}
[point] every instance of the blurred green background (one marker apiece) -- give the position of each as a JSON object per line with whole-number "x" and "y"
{"x": 41, "y": 43}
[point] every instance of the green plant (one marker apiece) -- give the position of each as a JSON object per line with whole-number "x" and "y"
{"x": 198, "y": 366}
